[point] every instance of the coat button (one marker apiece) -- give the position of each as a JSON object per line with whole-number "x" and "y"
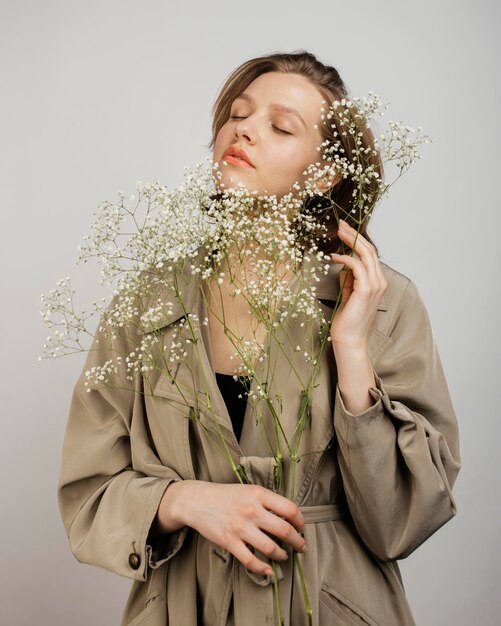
{"x": 134, "y": 560}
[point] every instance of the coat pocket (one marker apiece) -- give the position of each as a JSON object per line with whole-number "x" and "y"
{"x": 148, "y": 615}
{"x": 151, "y": 614}
{"x": 377, "y": 344}
{"x": 334, "y": 605}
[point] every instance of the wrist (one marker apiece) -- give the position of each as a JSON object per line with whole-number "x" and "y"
{"x": 355, "y": 348}
{"x": 171, "y": 514}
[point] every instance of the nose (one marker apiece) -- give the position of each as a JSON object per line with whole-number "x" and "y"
{"x": 245, "y": 129}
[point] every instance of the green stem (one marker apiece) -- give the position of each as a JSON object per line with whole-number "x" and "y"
{"x": 309, "y": 610}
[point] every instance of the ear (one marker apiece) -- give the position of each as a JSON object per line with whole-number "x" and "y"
{"x": 325, "y": 183}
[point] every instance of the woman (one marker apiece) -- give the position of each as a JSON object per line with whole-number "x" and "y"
{"x": 141, "y": 491}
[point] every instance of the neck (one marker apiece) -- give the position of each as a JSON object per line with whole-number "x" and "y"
{"x": 241, "y": 267}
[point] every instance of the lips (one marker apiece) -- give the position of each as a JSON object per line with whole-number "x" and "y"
{"x": 238, "y": 154}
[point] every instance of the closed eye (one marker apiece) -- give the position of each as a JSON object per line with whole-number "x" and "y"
{"x": 279, "y": 130}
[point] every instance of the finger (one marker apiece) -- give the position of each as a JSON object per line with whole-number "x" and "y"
{"x": 346, "y": 279}
{"x": 361, "y": 282}
{"x": 382, "y": 280}
{"x": 250, "y": 560}
{"x": 281, "y": 528}
{"x": 355, "y": 264}
{"x": 360, "y": 245}
{"x": 265, "y": 544}
{"x": 366, "y": 252}
{"x": 369, "y": 285}
{"x": 283, "y": 507}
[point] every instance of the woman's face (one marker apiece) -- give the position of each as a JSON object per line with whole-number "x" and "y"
{"x": 280, "y": 144}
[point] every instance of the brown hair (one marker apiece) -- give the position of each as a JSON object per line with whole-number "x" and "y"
{"x": 328, "y": 81}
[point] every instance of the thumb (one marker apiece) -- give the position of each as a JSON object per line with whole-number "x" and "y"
{"x": 346, "y": 284}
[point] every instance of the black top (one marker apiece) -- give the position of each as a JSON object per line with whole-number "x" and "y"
{"x": 230, "y": 390}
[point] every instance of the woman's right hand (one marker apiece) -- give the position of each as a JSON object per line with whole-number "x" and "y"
{"x": 233, "y": 515}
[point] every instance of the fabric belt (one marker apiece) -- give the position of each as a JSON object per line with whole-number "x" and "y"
{"x": 322, "y": 512}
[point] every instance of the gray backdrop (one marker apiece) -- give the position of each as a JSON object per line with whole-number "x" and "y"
{"x": 98, "y": 95}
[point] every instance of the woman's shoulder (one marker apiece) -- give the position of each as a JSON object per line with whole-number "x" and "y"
{"x": 402, "y": 293}
{"x": 394, "y": 277}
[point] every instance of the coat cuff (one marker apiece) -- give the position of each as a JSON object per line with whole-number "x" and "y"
{"x": 165, "y": 547}
{"x": 159, "y": 550}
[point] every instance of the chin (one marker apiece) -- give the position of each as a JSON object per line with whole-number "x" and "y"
{"x": 230, "y": 179}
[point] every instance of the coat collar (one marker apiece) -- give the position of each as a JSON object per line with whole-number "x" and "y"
{"x": 189, "y": 288}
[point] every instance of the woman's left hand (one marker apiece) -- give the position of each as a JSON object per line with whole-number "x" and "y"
{"x": 363, "y": 288}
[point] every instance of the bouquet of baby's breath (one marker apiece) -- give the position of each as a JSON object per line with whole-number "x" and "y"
{"x": 261, "y": 250}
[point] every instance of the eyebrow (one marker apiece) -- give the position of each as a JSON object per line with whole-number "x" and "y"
{"x": 275, "y": 106}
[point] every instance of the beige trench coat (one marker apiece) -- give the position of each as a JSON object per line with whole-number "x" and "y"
{"x": 373, "y": 496}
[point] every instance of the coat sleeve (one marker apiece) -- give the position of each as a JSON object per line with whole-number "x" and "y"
{"x": 399, "y": 458}
{"x": 107, "y": 507}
